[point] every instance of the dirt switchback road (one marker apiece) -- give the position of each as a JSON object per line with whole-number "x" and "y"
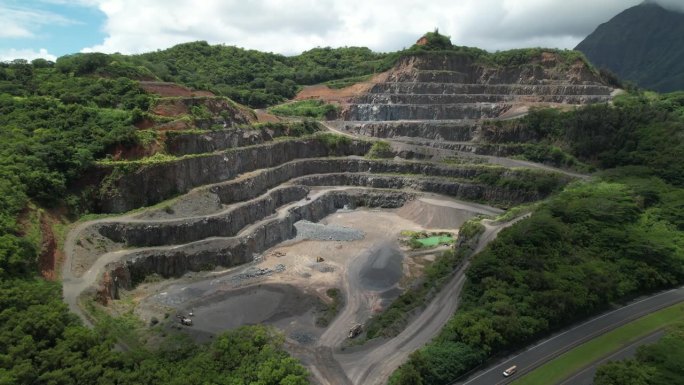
{"x": 374, "y": 364}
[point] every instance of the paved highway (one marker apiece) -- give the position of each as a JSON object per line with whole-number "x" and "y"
{"x": 586, "y": 375}
{"x": 548, "y": 349}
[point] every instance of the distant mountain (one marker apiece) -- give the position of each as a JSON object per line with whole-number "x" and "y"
{"x": 643, "y": 44}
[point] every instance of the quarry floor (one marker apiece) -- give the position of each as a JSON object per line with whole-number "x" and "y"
{"x": 286, "y": 287}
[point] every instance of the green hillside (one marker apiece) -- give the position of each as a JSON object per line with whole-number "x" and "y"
{"x": 643, "y": 44}
{"x": 58, "y": 119}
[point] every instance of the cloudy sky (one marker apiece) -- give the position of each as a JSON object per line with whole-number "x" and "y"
{"x": 52, "y": 28}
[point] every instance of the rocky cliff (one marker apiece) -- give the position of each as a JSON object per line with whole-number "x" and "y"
{"x": 458, "y": 86}
{"x": 132, "y": 185}
{"x": 135, "y": 266}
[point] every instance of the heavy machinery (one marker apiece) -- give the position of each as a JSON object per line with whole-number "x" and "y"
{"x": 355, "y": 330}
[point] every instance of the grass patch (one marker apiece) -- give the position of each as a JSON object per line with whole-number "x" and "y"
{"x": 332, "y": 309}
{"x": 436, "y": 240}
{"x": 346, "y": 82}
{"x": 422, "y": 239}
{"x": 125, "y": 328}
{"x": 308, "y": 108}
{"x": 583, "y": 355}
{"x": 380, "y": 150}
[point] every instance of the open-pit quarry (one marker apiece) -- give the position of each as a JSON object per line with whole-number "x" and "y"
{"x": 243, "y": 228}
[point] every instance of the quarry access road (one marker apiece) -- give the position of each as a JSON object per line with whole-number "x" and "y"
{"x": 546, "y": 350}
{"x": 73, "y": 285}
{"x": 586, "y": 375}
{"x": 374, "y": 365}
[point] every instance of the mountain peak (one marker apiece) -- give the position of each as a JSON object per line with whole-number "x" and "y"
{"x": 643, "y": 44}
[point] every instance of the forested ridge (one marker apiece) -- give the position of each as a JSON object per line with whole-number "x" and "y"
{"x": 643, "y": 44}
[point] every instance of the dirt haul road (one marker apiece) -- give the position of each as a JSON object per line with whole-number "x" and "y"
{"x": 373, "y": 365}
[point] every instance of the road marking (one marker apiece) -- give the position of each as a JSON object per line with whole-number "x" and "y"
{"x": 498, "y": 366}
{"x": 608, "y": 357}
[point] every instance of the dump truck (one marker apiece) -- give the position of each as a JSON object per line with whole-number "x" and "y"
{"x": 355, "y": 330}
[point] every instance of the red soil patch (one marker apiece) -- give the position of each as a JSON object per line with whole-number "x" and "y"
{"x": 145, "y": 124}
{"x": 265, "y": 117}
{"x": 48, "y": 245}
{"x": 176, "y": 125}
{"x": 342, "y": 95}
{"x": 47, "y": 261}
{"x": 121, "y": 152}
{"x": 171, "y": 89}
{"x": 170, "y": 107}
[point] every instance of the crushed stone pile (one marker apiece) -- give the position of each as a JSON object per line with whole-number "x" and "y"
{"x": 319, "y": 232}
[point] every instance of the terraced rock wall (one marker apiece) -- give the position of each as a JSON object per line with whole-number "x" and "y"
{"x": 244, "y": 189}
{"x": 460, "y": 182}
{"x": 453, "y": 87}
{"x": 457, "y": 189}
{"x": 225, "y": 224}
{"x": 452, "y": 131}
{"x": 238, "y": 250}
{"x": 191, "y": 143}
{"x": 153, "y": 183}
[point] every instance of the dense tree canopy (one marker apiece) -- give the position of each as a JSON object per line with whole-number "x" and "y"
{"x": 55, "y": 121}
{"x": 655, "y": 364}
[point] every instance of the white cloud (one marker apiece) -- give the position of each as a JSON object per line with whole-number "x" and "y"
{"x": 290, "y": 27}
{"x": 28, "y": 54}
{"x": 19, "y": 22}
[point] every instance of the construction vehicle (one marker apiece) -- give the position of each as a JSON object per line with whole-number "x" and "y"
{"x": 186, "y": 321}
{"x": 355, "y": 330}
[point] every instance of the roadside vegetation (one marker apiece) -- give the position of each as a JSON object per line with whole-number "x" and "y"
{"x": 655, "y": 364}
{"x": 332, "y": 309}
{"x": 610, "y": 374}
{"x": 380, "y": 150}
{"x": 592, "y": 245}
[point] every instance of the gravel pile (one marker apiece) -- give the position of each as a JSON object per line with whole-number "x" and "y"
{"x": 255, "y": 272}
{"x": 302, "y": 337}
{"x": 320, "y": 232}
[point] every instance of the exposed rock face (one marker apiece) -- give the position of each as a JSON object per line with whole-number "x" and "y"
{"x": 249, "y": 188}
{"x": 230, "y": 112}
{"x": 459, "y": 182}
{"x": 112, "y": 280}
{"x": 225, "y": 224}
{"x": 451, "y": 87}
{"x": 456, "y": 131}
{"x": 190, "y": 143}
{"x": 153, "y": 183}
{"x": 238, "y": 250}
{"x": 457, "y": 189}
